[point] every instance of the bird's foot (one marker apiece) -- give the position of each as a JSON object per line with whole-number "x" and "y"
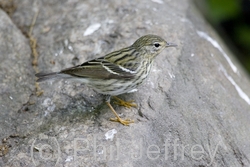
{"x": 122, "y": 121}
{"x": 127, "y": 104}
{"x": 118, "y": 119}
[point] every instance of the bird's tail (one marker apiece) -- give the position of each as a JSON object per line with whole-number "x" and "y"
{"x": 45, "y": 76}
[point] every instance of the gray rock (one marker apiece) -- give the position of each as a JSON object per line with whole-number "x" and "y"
{"x": 193, "y": 110}
{"x": 16, "y": 74}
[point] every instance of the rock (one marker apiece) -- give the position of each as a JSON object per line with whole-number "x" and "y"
{"x": 16, "y": 75}
{"x": 193, "y": 110}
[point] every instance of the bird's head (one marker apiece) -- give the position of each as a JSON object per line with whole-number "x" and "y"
{"x": 152, "y": 45}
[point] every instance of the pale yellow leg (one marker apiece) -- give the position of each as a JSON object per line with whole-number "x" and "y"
{"x": 118, "y": 119}
{"x": 121, "y": 102}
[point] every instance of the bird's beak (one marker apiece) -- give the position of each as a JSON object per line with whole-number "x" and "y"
{"x": 171, "y": 45}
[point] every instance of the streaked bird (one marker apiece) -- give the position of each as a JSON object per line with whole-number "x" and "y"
{"x": 117, "y": 72}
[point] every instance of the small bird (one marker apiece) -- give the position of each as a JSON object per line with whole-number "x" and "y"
{"x": 117, "y": 72}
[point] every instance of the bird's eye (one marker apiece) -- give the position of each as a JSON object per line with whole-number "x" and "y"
{"x": 157, "y": 45}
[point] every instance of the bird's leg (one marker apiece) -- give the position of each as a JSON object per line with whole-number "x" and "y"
{"x": 124, "y": 103}
{"x": 118, "y": 119}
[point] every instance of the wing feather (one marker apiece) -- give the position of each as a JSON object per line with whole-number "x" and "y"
{"x": 100, "y": 69}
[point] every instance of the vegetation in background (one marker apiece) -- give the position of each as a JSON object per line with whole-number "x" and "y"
{"x": 232, "y": 19}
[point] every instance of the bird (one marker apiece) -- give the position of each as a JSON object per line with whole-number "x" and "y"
{"x": 116, "y": 73}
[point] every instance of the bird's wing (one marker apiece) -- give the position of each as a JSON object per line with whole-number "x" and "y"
{"x": 100, "y": 69}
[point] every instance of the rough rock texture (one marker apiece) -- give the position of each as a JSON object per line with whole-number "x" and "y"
{"x": 193, "y": 110}
{"x": 16, "y": 74}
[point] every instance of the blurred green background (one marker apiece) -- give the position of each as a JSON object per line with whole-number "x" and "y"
{"x": 231, "y": 18}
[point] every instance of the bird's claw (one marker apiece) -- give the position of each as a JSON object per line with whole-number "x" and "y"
{"x": 127, "y": 104}
{"x": 122, "y": 121}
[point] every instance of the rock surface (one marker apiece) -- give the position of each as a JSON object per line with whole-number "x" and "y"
{"x": 193, "y": 110}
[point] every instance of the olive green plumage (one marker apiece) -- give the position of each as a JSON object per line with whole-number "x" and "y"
{"x": 117, "y": 72}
